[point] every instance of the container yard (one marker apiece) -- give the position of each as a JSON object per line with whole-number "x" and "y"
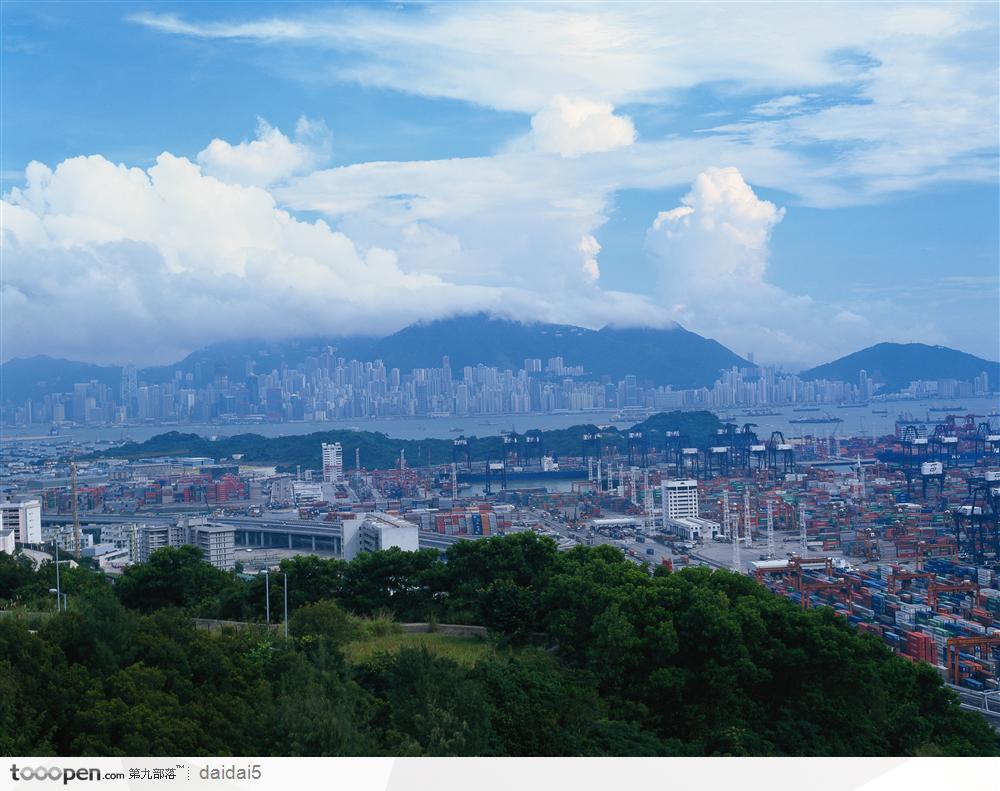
{"x": 899, "y": 535}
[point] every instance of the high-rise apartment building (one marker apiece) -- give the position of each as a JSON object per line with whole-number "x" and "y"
{"x": 24, "y": 517}
{"x": 333, "y": 462}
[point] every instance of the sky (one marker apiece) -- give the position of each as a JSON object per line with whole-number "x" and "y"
{"x": 794, "y": 180}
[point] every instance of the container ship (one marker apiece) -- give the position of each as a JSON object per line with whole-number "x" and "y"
{"x": 824, "y": 419}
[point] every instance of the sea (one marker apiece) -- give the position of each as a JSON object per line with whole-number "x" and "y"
{"x": 855, "y": 421}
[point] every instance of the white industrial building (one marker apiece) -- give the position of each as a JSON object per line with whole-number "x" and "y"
{"x": 307, "y": 492}
{"x": 24, "y": 517}
{"x": 375, "y": 531}
{"x": 680, "y": 498}
{"x": 693, "y": 528}
{"x": 7, "y": 542}
{"x": 333, "y": 462}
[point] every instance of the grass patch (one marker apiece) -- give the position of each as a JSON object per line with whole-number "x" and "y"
{"x": 463, "y": 650}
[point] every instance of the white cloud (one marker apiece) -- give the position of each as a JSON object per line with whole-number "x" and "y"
{"x": 590, "y": 247}
{"x": 781, "y": 105}
{"x": 572, "y": 127}
{"x": 901, "y": 95}
{"x": 271, "y": 157}
{"x": 107, "y": 262}
{"x": 712, "y": 253}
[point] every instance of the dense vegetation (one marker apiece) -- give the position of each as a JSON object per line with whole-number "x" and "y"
{"x": 381, "y": 451}
{"x": 591, "y": 655}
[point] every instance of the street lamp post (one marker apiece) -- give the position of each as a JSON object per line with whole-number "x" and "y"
{"x": 267, "y": 594}
{"x": 59, "y": 599}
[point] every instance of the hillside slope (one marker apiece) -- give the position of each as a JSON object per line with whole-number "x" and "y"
{"x": 895, "y": 365}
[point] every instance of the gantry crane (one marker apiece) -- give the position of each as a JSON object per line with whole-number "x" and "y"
{"x": 935, "y": 587}
{"x": 905, "y": 576}
{"x": 956, "y": 646}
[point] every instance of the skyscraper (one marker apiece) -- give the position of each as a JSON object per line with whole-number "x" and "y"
{"x": 129, "y": 390}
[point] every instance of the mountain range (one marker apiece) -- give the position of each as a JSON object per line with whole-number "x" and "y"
{"x": 895, "y": 365}
{"x": 670, "y": 356}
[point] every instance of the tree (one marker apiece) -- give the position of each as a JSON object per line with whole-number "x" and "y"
{"x": 175, "y": 577}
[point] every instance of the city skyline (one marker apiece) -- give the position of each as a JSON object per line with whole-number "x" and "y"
{"x": 329, "y": 387}
{"x": 285, "y": 175}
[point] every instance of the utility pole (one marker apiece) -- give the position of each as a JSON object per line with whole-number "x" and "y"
{"x": 267, "y": 594}
{"x": 770, "y": 530}
{"x": 59, "y": 601}
{"x": 861, "y": 482}
{"x": 286, "y": 605}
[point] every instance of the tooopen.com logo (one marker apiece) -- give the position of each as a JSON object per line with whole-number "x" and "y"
{"x": 55, "y": 773}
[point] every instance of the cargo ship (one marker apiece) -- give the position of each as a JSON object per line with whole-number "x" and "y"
{"x": 805, "y": 409}
{"x": 761, "y": 412}
{"x": 824, "y": 419}
{"x": 946, "y": 409}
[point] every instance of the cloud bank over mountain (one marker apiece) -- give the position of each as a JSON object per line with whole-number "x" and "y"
{"x": 112, "y": 261}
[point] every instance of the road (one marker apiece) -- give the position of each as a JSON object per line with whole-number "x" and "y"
{"x": 986, "y": 703}
{"x": 641, "y": 557}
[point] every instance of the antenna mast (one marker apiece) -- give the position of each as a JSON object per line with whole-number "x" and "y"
{"x": 746, "y": 516}
{"x": 802, "y": 529}
{"x": 770, "y": 530}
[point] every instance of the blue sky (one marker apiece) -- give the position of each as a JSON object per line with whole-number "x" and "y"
{"x": 795, "y": 180}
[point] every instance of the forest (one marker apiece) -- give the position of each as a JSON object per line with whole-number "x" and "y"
{"x": 587, "y": 654}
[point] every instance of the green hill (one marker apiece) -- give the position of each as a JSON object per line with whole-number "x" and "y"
{"x": 380, "y": 451}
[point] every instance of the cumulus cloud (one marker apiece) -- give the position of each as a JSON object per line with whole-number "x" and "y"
{"x": 712, "y": 252}
{"x": 572, "y": 127}
{"x": 271, "y": 157}
{"x": 722, "y": 229}
{"x": 126, "y": 263}
{"x": 589, "y": 248}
